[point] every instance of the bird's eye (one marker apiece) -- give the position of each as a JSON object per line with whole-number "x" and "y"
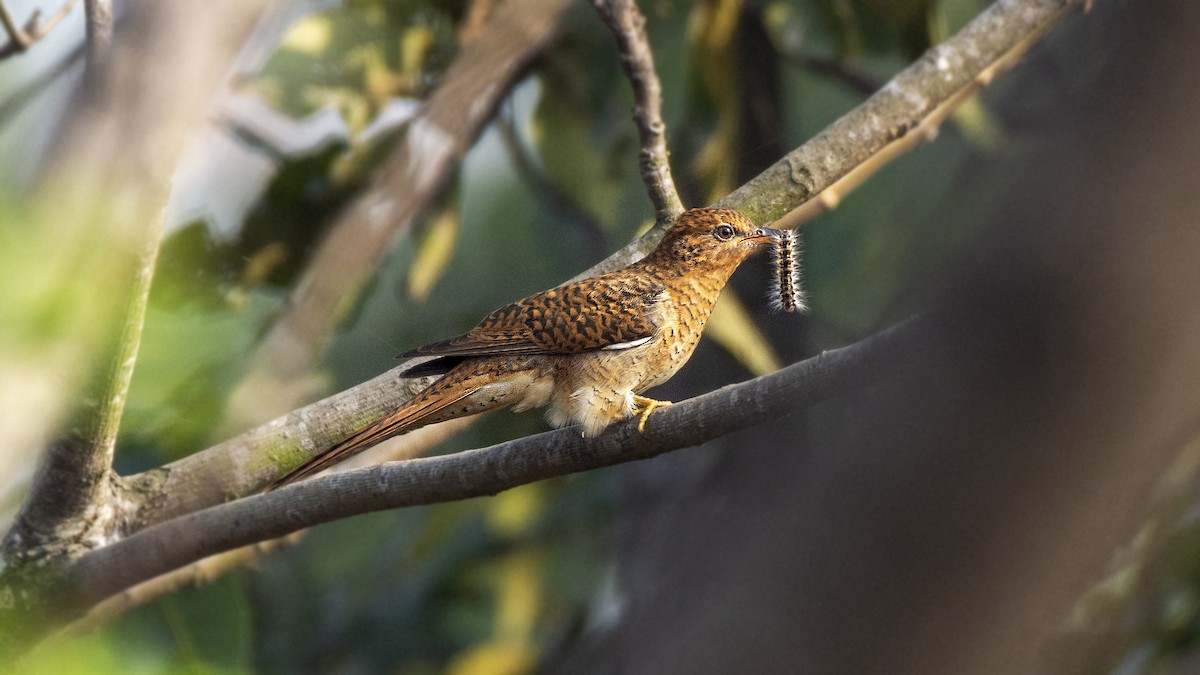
{"x": 723, "y": 232}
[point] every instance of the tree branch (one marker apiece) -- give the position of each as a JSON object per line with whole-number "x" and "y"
{"x": 407, "y": 446}
{"x": 21, "y": 39}
{"x": 633, "y": 49}
{"x": 918, "y": 98}
{"x": 486, "y": 471}
{"x": 245, "y": 463}
{"x": 199, "y": 572}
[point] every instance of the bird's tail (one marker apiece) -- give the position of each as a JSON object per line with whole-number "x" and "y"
{"x": 435, "y": 403}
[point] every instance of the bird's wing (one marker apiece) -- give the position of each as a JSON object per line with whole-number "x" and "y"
{"x": 605, "y": 312}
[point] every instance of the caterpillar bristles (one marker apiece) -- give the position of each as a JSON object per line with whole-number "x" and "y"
{"x": 787, "y": 292}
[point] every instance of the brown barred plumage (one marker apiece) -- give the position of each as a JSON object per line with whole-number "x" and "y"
{"x": 586, "y": 349}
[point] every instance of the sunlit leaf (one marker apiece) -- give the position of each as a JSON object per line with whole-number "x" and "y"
{"x": 519, "y": 596}
{"x": 494, "y": 658}
{"x": 433, "y": 254}
{"x": 515, "y": 511}
{"x": 976, "y": 124}
{"x": 310, "y": 35}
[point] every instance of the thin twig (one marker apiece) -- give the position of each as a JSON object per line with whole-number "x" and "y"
{"x": 21, "y": 39}
{"x": 487, "y": 471}
{"x": 633, "y": 49}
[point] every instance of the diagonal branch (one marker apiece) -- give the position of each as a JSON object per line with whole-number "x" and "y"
{"x": 486, "y": 471}
{"x": 922, "y": 94}
{"x": 21, "y": 39}
{"x": 200, "y": 572}
{"x": 243, "y": 464}
{"x": 633, "y": 49}
{"x": 400, "y": 191}
{"x": 408, "y": 446}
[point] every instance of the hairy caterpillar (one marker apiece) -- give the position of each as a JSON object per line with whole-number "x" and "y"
{"x": 787, "y": 291}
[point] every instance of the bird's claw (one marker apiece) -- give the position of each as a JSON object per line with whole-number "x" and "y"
{"x": 647, "y": 406}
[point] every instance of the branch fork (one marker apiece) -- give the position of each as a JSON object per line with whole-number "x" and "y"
{"x": 20, "y": 39}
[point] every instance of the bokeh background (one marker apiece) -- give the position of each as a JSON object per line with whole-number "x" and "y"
{"x": 1021, "y": 502}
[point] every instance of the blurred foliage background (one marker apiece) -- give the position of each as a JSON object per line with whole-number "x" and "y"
{"x": 507, "y": 584}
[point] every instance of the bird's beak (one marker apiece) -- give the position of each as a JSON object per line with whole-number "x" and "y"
{"x": 762, "y": 236}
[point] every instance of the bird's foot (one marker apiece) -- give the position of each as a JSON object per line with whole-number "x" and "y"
{"x": 646, "y": 406}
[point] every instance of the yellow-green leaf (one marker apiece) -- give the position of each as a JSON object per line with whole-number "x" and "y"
{"x": 433, "y": 254}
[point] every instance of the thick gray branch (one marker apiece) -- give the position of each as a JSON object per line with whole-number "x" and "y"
{"x": 486, "y": 471}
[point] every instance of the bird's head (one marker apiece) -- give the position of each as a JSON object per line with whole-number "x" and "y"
{"x": 716, "y": 239}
